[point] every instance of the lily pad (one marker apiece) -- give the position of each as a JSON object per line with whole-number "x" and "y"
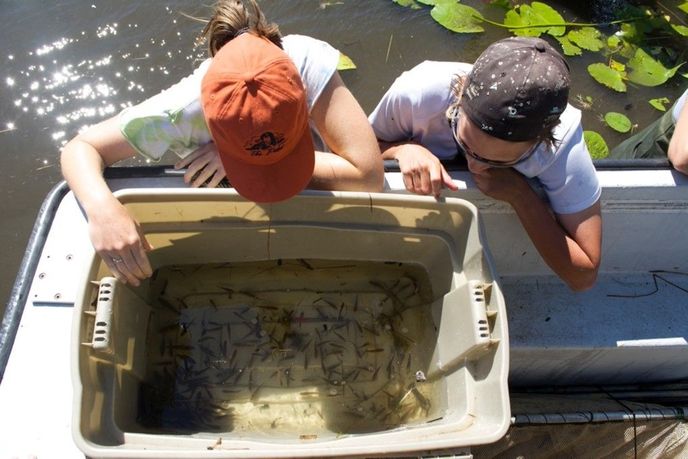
{"x": 681, "y": 29}
{"x": 569, "y": 48}
{"x": 345, "y": 62}
{"x": 613, "y": 42}
{"x": 646, "y": 71}
{"x": 608, "y": 76}
{"x": 596, "y": 145}
{"x": 659, "y": 103}
{"x": 587, "y": 38}
{"x": 616, "y": 65}
{"x": 457, "y": 17}
{"x": 618, "y": 121}
{"x": 542, "y": 17}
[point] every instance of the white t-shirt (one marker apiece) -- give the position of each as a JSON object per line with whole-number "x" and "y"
{"x": 414, "y": 108}
{"x": 678, "y": 106}
{"x": 173, "y": 120}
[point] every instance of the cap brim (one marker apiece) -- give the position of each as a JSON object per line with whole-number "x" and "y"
{"x": 273, "y": 182}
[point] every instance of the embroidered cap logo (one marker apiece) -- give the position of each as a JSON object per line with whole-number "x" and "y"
{"x": 265, "y": 144}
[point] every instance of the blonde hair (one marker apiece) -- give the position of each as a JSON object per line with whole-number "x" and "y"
{"x": 233, "y": 17}
{"x": 545, "y": 136}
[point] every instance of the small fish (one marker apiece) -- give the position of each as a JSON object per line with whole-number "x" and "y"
{"x": 305, "y": 264}
{"x": 374, "y": 350}
{"x": 254, "y": 394}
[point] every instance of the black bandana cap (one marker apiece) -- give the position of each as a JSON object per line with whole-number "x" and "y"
{"x": 517, "y": 87}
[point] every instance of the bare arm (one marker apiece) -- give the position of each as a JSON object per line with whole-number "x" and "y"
{"x": 356, "y": 163}
{"x": 678, "y": 146}
{"x": 570, "y": 244}
{"x": 114, "y": 233}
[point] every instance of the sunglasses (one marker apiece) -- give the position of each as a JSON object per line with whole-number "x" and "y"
{"x": 463, "y": 148}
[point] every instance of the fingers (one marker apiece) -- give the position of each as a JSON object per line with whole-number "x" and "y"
{"x": 447, "y": 180}
{"x": 119, "y": 264}
{"x": 204, "y": 167}
{"x": 140, "y": 255}
{"x": 215, "y": 181}
{"x": 130, "y": 265}
{"x": 191, "y": 175}
{"x": 182, "y": 163}
{"x": 112, "y": 266}
{"x": 417, "y": 182}
{"x": 202, "y": 176}
{"x": 436, "y": 180}
{"x": 408, "y": 182}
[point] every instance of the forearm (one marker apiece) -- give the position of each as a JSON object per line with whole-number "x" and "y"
{"x": 557, "y": 248}
{"x": 678, "y": 146}
{"x": 82, "y": 168}
{"x": 332, "y": 172}
{"x": 390, "y": 150}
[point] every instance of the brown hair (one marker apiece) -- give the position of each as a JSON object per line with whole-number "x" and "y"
{"x": 457, "y": 86}
{"x": 234, "y": 17}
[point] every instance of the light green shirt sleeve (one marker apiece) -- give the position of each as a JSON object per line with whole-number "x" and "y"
{"x": 170, "y": 121}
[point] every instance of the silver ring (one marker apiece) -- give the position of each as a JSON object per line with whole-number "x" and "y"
{"x": 116, "y": 259}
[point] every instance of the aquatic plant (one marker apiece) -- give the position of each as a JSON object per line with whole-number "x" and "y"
{"x": 345, "y": 62}
{"x": 618, "y": 121}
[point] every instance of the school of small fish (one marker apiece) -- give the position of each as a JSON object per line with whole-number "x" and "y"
{"x": 307, "y": 347}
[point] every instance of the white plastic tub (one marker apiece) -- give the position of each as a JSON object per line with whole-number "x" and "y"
{"x": 466, "y": 357}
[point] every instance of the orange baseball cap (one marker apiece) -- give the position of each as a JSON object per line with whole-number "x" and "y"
{"x": 254, "y": 104}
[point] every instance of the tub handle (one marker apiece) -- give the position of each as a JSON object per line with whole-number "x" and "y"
{"x": 102, "y": 328}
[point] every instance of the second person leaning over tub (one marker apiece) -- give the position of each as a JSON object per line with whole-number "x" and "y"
{"x": 508, "y": 114}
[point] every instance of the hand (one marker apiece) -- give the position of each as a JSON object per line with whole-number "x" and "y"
{"x": 422, "y": 171}
{"x": 503, "y": 184}
{"x": 118, "y": 239}
{"x": 204, "y": 167}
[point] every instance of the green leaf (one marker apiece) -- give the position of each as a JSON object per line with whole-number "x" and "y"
{"x": 659, "y": 103}
{"x": 618, "y": 66}
{"x": 684, "y": 7}
{"x": 647, "y": 71}
{"x": 618, "y": 121}
{"x": 682, "y": 30}
{"x": 569, "y": 48}
{"x": 535, "y": 19}
{"x": 596, "y": 145}
{"x": 607, "y": 76}
{"x": 457, "y": 17}
{"x": 429, "y": 2}
{"x": 345, "y": 62}
{"x": 587, "y": 38}
{"x": 613, "y": 42}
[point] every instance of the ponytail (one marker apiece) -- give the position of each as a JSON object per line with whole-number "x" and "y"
{"x": 234, "y": 17}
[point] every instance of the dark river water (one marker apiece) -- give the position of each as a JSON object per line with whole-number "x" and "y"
{"x": 66, "y": 64}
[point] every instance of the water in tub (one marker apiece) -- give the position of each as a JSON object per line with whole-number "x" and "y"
{"x": 295, "y": 348}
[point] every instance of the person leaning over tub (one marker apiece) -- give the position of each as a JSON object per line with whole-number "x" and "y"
{"x": 508, "y": 115}
{"x": 667, "y": 137}
{"x": 255, "y": 111}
